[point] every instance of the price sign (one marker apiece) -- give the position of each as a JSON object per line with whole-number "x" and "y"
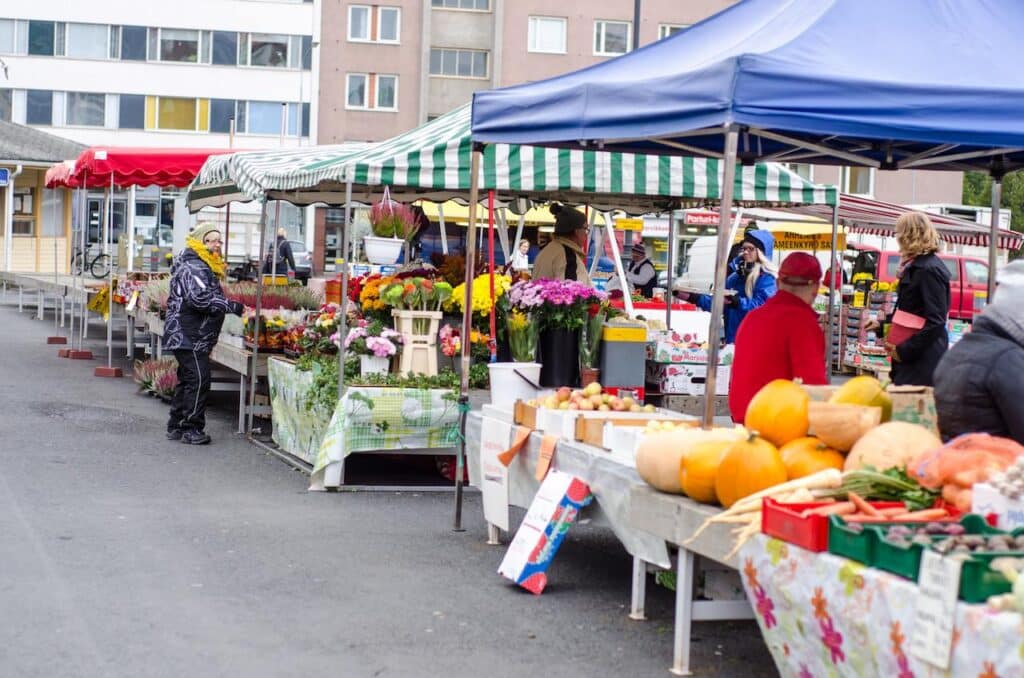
{"x": 494, "y": 437}
{"x": 938, "y": 585}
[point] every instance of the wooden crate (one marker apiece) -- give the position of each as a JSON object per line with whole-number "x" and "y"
{"x": 594, "y": 431}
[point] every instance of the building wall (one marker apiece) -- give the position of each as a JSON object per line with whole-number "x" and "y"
{"x": 200, "y": 82}
{"x": 50, "y": 226}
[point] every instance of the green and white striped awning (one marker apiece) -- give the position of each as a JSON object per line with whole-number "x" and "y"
{"x": 433, "y": 162}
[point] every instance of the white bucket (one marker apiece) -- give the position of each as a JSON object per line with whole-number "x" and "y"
{"x": 507, "y": 387}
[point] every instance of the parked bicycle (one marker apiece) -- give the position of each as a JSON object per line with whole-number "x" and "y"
{"x": 98, "y": 266}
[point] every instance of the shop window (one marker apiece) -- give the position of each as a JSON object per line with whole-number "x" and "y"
{"x": 39, "y": 107}
{"x": 131, "y": 112}
{"x": 88, "y": 41}
{"x": 176, "y": 114}
{"x": 665, "y": 30}
{"x": 612, "y": 38}
{"x": 225, "y": 48}
{"x": 268, "y": 50}
{"x": 133, "y": 43}
{"x": 6, "y": 101}
{"x": 179, "y": 45}
{"x": 85, "y": 109}
{"x": 547, "y": 35}
{"x": 460, "y": 63}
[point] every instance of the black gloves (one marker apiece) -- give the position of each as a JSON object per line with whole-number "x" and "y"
{"x": 236, "y": 308}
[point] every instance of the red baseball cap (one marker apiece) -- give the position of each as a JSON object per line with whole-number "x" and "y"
{"x": 800, "y": 268}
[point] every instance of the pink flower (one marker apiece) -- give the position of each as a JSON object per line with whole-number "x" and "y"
{"x": 832, "y": 639}
{"x": 765, "y": 607}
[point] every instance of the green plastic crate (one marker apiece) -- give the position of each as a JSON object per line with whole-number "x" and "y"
{"x": 842, "y": 541}
{"x": 906, "y": 560}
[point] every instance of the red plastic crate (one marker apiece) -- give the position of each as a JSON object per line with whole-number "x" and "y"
{"x": 783, "y": 521}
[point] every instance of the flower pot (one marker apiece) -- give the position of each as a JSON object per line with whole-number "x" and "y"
{"x": 371, "y": 364}
{"x": 382, "y": 250}
{"x": 560, "y": 357}
{"x": 509, "y": 382}
{"x": 419, "y": 337}
{"x": 588, "y": 375}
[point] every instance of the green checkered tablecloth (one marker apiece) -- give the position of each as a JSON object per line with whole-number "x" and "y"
{"x": 298, "y": 430}
{"x": 378, "y": 418}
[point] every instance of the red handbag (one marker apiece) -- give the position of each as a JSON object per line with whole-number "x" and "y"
{"x": 904, "y": 326}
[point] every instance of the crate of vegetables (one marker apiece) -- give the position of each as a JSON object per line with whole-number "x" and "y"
{"x": 851, "y": 535}
{"x": 806, "y": 525}
{"x": 898, "y": 547}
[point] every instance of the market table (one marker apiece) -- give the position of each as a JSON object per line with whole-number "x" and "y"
{"x": 384, "y": 420}
{"x": 297, "y": 429}
{"x": 823, "y": 615}
{"x": 675, "y": 519}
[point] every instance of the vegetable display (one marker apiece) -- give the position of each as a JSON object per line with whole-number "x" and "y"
{"x": 748, "y": 466}
{"x": 778, "y": 412}
{"x": 891, "y": 445}
{"x": 955, "y": 467}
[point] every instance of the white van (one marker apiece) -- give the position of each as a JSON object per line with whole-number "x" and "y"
{"x": 698, "y": 269}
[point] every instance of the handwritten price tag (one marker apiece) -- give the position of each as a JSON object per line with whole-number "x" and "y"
{"x": 938, "y": 585}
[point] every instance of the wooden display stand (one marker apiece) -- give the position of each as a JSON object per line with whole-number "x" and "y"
{"x": 419, "y": 335}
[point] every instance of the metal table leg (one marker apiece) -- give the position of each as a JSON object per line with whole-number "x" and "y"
{"x": 40, "y": 305}
{"x": 684, "y": 611}
{"x": 242, "y": 390}
{"x": 130, "y": 332}
{"x": 493, "y": 535}
{"x": 638, "y": 591}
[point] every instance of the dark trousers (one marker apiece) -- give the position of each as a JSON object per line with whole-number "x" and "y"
{"x": 188, "y": 406}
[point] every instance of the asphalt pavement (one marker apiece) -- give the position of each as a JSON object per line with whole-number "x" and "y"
{"x": 123, "y": 554}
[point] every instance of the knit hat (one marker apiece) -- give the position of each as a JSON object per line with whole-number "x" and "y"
{"x": 567, "y": 219}
{"x": 638, "y": 248}
{"x": 751, "y": 237}
{"x": 1010, "y": 286}
{"x": 204, "y": 229}
{"x": 800, "y": 268}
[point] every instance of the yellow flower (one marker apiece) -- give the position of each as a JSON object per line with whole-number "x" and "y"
{"x": 517, "y": 321}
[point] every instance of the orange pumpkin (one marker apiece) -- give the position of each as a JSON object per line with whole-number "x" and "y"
{"x": 748, "y": 466}
{"x": 778, "y": 412}
{"x": 700, "y": 469}
{"x": 806, "y": 456}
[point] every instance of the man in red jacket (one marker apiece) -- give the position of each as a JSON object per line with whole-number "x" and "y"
{"x": 782, "y": 338}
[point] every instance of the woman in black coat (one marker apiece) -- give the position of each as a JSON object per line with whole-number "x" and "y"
{"x": 923, "y": 291}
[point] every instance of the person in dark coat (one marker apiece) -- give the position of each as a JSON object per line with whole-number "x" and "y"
{"x": 641, "y": 273}
{"x": 923, "y": 291}
{"x": 285, "y": 258}
{"x": 734, "y": 251}
{"x": 979, "y": 383}
{"x": 195, "y": 312}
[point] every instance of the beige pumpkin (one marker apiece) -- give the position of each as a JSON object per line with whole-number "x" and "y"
{"x": 840, "y": 425}
{"x": 660, "y": 455}
{"x": 891, "y": 445}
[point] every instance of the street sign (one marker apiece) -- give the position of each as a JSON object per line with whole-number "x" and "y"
{"x": 5, "y": 176}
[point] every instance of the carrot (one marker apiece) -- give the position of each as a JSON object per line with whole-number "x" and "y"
{"x": 861, "y": 518}
{"x": 894, "y": 511}
{"x": 926, "y": 514}
{"x": 841, "y": 508}
{"x": 863, "y": 506}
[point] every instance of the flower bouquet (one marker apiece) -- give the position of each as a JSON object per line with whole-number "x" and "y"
{"x": 319, "y": 335}
{"x": 270, "y": 332}
{"x": 522, "y": 336}
{"x": 374, "y": 344}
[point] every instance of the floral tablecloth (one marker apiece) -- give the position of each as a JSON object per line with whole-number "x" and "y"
{"x": 822, "y": 615}
{"x": 298, "y": 430}
{"x": 379, "y": 418}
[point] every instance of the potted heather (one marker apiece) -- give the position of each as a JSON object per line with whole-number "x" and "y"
{"x": 374, "y": 344}
{"x": 392, "y": 224}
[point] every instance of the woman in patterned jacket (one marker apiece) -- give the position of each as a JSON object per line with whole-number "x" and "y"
{"x": 195, "y": 313}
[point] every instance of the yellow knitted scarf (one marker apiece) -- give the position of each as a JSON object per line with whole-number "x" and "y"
{"x": 214, "y": 261}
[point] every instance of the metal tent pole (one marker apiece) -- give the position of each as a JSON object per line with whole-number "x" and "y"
{"x": 257, "y": 320}
{"x": 993, "y": 236}
{"x": 718, "y": 296}
{"x": 467, "y": 317}
{"x": 107, "y": 246}
{"x": 342, "y": 316}
{"x": 493, "y": 343}
{"x": 130, "y": 248}
{"x": 835, "y": 267}
{"x": 56, "y": 260}
{"x": 670, "y": 269}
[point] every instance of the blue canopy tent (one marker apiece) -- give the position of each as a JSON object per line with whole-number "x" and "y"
{"x": 940, "y": 87}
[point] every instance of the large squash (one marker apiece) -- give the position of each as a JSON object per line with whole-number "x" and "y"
{"x": 700, "y": 469}
{"x": 867, "y": 391}
{"x": 659, "y": 457}
{"x": 892, "y": 445}
{"x": 749, "y": 466}
{"x": 778, "y": 412}
{"x": 840, "y": 425}
{"x": 806, "y": 456}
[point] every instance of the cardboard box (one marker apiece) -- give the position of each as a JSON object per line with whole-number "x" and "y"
{"x": 987, "y": 500}
{"x": 670, "y": 352}
{"x": 912, "y": 404}
{"x": 686, "y": 378}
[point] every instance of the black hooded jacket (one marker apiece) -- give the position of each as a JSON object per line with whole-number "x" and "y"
{"x": 195, "y": 307}
{"x": 923, "y": 291}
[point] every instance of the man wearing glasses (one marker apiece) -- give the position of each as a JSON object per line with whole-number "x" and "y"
{"x": 563, "y": 258}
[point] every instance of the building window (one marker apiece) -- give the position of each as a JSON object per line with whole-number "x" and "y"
{"x": 24, "y": 210}
{"x": 176, "y": 114}
{"x": 355, "y": 88}
{"x": 87, "y": 41}
{"x": 264, "y": 117}
{"x": 803, "y": 169}
{"x": 359, "y": 23}
{"x": 7, "y": 42}
{"x": 179, "y": 45}
{"x": 41, "y": 38}
{"x": 387, "y": 92}
{"x": 268, "y": 50}
{"x": 665, "y": 30}
{"x": 389, "y": 24}
{"x": 858, "y": 180}
{"x": 225, "y": 48}
{"x": 458, "y": 63}
{"x": 371, "y": 91}
{"x": 362, "y": 28}
{"x": 221, "y": 113}
{"x": 612, "y": 38}
{"x": 547, "y": 35}
{"x": 480, "y": 5}
{"x": 133, "y": 43}
{"x": 6, "y": 102}
{"x": 131, "y": 111}
{"x": 39, "y": 107}
{"x": 85, "y": 109}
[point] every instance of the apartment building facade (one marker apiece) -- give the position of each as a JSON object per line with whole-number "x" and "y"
{"x": 390, "y": 66}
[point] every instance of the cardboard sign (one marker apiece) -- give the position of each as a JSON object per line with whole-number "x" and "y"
{"x": 494, "y": 435}
{"x": 549, "y": 517}
{"x": 547, "y": 452}
{"x": 938, "y": 585}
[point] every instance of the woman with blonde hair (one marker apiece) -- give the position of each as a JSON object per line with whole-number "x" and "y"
{"x": 922, "y": 304}
{"x": 752, "y": 283}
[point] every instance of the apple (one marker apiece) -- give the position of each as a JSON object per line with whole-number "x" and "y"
{"x": 649, "y": 408}
{"x": 577, "y": 394}
{"x": 618, "y": 405}
{"x": 563, "y": 393}
{"x": 597, "y": 399}
{"x": 574, "y": 406}
{"x": 563, "y": 406}
{"x": 607, "y": 398}
{"x": 635, "y": 408}
{"x": 628, "y": 402}
{"x": 586, "y": 405}
{"x": 551, "y": 402}
{"x": 592, "y": 389}
{"x": 604, "y": 408}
